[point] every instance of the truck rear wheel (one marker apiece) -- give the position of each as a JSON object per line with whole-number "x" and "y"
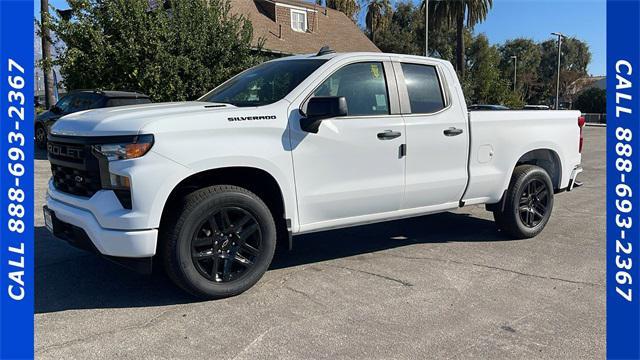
{"x": 528, "y": 203}
{"x": 220, "y": 242}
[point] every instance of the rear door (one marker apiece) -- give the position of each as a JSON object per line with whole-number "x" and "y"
{"x": 352, "y": 168}
{"x": 437, "y": 136}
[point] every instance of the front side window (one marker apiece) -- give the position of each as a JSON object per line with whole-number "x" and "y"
{"x": 423, "y": 85}
{"x": 363, "y": 85}
{"x": 299, "y": 20}
{"x": 264, "y": 84}
{"x": 65, "y": 103}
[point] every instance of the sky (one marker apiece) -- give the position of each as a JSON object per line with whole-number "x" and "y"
{"x": 508, "y": 19}
{"x": 582, "y": 19}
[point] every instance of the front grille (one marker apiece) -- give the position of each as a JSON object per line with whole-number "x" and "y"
{"x": 74, "y": 168}
{"x": 75, "y": 181}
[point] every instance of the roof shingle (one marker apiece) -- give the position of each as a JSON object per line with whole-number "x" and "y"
{"x": 330, "y": 27}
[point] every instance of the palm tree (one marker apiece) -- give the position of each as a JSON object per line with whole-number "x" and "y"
{"x": 377, "y": 13}
{"x": 456, "y": 12}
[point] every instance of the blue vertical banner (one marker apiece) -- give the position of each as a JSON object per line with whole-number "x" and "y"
{"x": 16, "y": 179}
{"x": 623, "y": 181}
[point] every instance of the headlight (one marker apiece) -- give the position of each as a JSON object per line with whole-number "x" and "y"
{"x": 122, "y": 151}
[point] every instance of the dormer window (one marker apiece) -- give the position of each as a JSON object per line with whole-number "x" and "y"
{"x": 299, "y": 20}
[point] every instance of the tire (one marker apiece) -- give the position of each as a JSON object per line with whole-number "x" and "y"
{"x": 198, "y": 238}
{"x": 40, "y": 137}
{"x": 528, "y": 203}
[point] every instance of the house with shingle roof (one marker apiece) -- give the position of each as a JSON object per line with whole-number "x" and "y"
{"x": 299, "y": 27}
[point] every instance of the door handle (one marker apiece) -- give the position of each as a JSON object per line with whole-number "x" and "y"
{"x": 452, "y": 131}
{"x": 389, "y": 135}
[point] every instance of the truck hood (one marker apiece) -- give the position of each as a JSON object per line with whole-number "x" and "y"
{"x": 127, "y": 120}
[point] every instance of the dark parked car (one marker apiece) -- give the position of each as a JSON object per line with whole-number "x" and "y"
{"x": 487, "y": 107}
{"x": 80, "y": 100}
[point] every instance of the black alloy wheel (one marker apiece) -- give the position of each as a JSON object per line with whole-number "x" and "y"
{"x": 226, "y": 244}
{"x": 533, "y": 203}
{"x": 527, "y": 204}
{"x": 218, "y": 241}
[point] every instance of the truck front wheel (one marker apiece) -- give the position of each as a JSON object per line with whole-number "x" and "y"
{"x": 528, "y": 203}
{"x": 41, "y": 137}
{"x": 219, "y": 242}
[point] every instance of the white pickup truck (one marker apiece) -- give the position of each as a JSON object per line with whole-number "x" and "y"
{"x": 291, "y": 146}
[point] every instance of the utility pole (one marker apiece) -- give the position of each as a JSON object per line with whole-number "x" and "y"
{"x": 46, "y": 54}
{"x": 560, "y": 37}
{"x": 426, "y": 28}
{"x": 515, "y": 71}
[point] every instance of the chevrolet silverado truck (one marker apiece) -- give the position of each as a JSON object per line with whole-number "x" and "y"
{"x": 292, "y": 146}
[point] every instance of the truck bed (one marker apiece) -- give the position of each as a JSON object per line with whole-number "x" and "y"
{"x": 498, "y": 138}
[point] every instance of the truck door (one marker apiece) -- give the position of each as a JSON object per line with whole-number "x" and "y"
{"x": 437, "y": 136}
{"x": 352, "y": 167}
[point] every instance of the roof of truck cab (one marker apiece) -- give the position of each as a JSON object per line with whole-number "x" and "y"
{"x": 336, "y": 55}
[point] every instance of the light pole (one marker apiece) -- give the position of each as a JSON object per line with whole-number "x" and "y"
{"x": 515, "y": 71}
{"x": 426, "y": 28}
{"x": 560, "y": 37}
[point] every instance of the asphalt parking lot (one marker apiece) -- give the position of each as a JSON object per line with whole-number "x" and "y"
{"x": 441, "y": 286}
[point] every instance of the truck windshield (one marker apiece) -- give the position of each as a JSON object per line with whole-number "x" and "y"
{"x": 264, "y": 84}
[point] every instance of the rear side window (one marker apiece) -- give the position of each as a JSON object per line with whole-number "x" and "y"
{"x": 127, "y": 101}
{"x": 363, "y": 85}
{"x": 423, "y": 85}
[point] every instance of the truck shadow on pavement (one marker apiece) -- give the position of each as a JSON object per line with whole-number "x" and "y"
{"x": 67, "y": 278}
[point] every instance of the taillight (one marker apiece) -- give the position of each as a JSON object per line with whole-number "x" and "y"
{"x": 581, "y": 122}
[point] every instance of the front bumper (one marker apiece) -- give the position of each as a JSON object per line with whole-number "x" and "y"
{"x": 108, "y": 242}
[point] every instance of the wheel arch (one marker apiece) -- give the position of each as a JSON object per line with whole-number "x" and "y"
{"x": 547, "y": 159}
{"x": 254, "y": 179}
{"x": 544, "y": 157}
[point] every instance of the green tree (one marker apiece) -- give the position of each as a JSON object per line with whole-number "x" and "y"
{"x": 351, "y": 8}
{"x": 529, "y": 57}
{"x": 401, "y": 33}
{"x": 377, "y": 16}
{"x": 459, "y": 13}
{"x": 442, "y": 41}
{"x": 404, "y": 33}
{"x": 484, "y": 81}
{"x": 575, "y": 59}
{"x": 171, "y": 55}
{"x": 592, "y": 101}
{"x": 513, "y": 100}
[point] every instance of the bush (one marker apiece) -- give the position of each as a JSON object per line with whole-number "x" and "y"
{"x": 592, "y": 101}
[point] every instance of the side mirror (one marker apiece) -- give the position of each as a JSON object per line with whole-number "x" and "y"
{"x": 320, "y": 108}
{"x": 56, "y": 110}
